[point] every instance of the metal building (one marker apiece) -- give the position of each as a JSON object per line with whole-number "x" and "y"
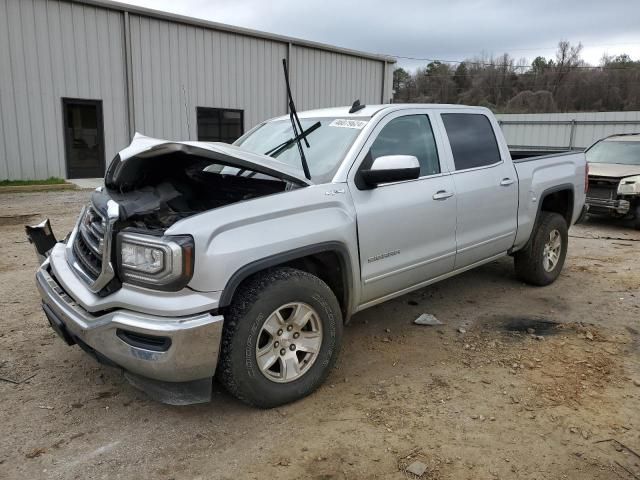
{"x": 79, "y": 77}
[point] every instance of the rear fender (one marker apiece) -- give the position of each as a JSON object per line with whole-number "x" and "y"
{"x": 567, "y": 211}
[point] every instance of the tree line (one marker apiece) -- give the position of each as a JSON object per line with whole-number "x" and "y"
{"x": 565, "y": 83}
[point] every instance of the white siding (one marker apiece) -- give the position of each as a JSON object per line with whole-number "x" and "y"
{"x": 558, "y": 135}
{"x": 50, "y": 50}
{"x": 54, "y": 49}
{"x": 178, "y": 67}
{"x": 329, "y": 79}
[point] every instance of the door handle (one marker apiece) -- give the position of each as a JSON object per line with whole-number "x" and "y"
{"x": 442, "y": 195}
{"x": 505, "y": 182}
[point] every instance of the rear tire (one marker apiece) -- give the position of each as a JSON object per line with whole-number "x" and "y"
{"x": 540, "y": 263}
{"x": 266, "y": 356}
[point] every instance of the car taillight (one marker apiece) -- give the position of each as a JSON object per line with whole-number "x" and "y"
{"x": 586, "y": 177}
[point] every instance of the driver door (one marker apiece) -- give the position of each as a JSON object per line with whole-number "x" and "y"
{"x": 406, "y": 229}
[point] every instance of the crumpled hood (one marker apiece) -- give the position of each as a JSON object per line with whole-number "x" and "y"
{"x": 144, "y": 148}
{"x": 613, "y": 170}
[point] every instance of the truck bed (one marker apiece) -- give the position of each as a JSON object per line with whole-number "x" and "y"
{"x": 541, "y": 175}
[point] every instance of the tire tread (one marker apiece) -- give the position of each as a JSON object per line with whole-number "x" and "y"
{"x": 245, "y": 297}
{"x": 527, "y": 261}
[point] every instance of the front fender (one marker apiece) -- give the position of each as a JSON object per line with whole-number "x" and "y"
{"x": 261, "y": 231}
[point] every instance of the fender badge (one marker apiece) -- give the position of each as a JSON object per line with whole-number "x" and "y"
{"x": 334, "y": 192}
{"x": 381, "y": 256}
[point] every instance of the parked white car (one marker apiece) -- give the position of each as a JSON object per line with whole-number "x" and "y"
{"x": 614, "y": 177}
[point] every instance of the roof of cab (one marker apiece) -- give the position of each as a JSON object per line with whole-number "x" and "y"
{"x": 623, "y": 137}
{"x": 371, "y": 110}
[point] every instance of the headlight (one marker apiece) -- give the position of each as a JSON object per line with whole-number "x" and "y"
{"x": 629, "y": 186}
{"x": 164, "y": 263}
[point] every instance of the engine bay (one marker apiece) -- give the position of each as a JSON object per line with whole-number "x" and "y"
{"x": 164, "y": 189}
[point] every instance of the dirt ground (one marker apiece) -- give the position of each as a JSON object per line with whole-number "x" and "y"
{"x": 480, "y": 397}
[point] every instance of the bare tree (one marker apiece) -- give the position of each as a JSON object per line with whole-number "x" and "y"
{"x": 567, "y": 58}
{"x": 563, "y": 83}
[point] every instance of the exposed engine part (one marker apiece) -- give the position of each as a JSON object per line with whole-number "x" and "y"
{"x": 177, "y": 185}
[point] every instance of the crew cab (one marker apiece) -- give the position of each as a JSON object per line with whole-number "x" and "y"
{"x": 614, "y": 177}
{"x": 199, "y": 259}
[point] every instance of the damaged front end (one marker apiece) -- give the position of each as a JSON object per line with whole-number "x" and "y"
{"x": 166, "y": 342}
{"x": 42, "y": 238}
{"x": 151, "y": 185}
{"x": 158, "y": 182}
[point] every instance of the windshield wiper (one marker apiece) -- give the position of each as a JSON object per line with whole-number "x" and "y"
{"x": 278, "y": 149}
{"x": 295, "y": 124}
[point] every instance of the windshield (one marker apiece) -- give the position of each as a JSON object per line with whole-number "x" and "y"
{"x": 328, "y": 143}
{"x": 613, "y": 151}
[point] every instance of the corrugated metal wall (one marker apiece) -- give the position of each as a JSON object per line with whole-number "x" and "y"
{"x": 544, "y": 133}
{"x": 178, "y": 67}
{"x": 322, "y": 79}
{"x": 50, "y": 50}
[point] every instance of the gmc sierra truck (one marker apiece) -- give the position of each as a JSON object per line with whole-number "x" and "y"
{"x": 244, "y": 261}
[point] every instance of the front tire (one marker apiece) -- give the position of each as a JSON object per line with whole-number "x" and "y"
{"x": 281, "y": 338}
{"x": 541, "y": 261}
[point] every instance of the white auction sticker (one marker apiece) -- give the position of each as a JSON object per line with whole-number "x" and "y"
{"x": 347, "y": 123}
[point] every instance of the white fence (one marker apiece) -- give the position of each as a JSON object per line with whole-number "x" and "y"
{"x": 562, "y": 131}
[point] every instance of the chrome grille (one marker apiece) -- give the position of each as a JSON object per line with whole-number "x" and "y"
{"x": 89, "y": 242}
{"x": 89, "y": 247}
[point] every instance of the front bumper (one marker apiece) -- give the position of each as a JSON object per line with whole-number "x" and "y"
{"x": 603, "y": 205}
{"x": 169, "y": 349}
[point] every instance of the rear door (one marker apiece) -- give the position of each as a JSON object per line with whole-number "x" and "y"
{"x": 406, "y": 237}
{"x": 486, "y": 188}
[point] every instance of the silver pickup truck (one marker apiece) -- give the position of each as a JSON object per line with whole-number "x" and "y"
{"x": 199, "y": 259}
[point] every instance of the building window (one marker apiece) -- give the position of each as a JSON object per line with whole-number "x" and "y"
{"x": 219, "y": 124}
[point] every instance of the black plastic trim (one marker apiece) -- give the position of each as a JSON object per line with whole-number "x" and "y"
{"x": 558, "y": 188}
{"x": 278, "y": 259}
{"x": 57, "y": 325}
{"x": 545, "y": 194}
{"x": 542, "y": 157}
{"x": 97, "y": 356}
{"x": 146, "y": 342}
{"x": 372, "y": 178}
{"x": 583, "y": 214}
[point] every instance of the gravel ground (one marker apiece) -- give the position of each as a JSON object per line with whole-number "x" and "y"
{"x": 520, "y": 382}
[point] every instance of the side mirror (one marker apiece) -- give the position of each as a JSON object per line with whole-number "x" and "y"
{"x": 391, "y": 168}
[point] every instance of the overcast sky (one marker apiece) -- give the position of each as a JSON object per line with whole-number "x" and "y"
{"x": 446, "y": 29}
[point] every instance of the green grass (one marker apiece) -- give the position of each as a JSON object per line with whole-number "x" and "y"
{"x": 17, "y": 183}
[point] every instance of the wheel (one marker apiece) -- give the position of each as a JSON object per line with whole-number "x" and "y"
{"x": 541, "y": 261}
{"x": 280, "y": 339}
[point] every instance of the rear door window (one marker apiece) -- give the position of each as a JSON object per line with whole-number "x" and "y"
{"x": 473, "y": 142}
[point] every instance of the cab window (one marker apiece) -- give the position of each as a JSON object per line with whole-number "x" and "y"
{"x": 472, "y": 140}
{"x": 409, "y": 135}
